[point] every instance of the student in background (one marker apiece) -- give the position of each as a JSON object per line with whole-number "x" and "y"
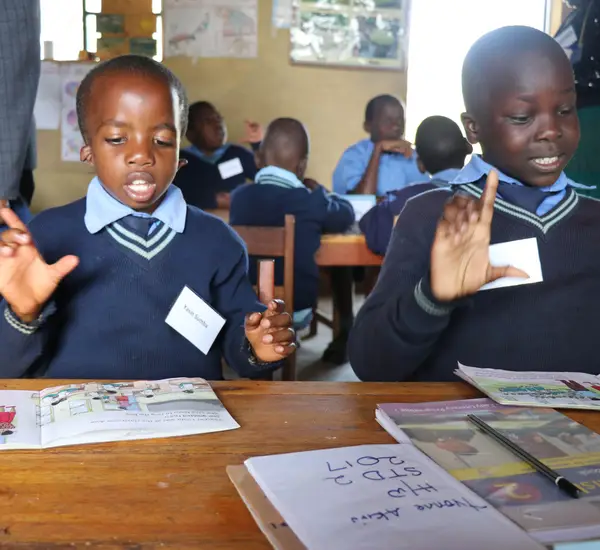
{"x": 214, "y": 166}
{"x": 428, "y": 310}
{"x": 441, "y": 150}
{"x": 383, "y": 162}
{"x": 281, "y": 189}
{"x": 88, "y": 288}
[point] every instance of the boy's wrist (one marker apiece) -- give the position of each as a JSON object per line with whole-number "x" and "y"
{"x": 28, "y": 315}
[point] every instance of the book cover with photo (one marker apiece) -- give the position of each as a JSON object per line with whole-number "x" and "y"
{"x": 442, "y": 431}
{"x": 96, "y": 412}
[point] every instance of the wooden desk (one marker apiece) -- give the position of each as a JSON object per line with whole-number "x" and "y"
{"x": 174, "y": 493}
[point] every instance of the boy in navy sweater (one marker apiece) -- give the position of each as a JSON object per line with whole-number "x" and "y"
{"x": 214, "y": 167}
{"x": 130, "y": 282}
{"x": 428, "y": 310}
{"x": 281, "y": 189}
{"x": 441, "y": 150}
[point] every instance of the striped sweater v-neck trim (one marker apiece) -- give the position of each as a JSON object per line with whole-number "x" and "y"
{"x": 543, "y": 223}
{"x": 147, "y": 248}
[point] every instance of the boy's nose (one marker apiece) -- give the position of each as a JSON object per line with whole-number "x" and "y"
{"x": 140, "y": 155}
{"x": 549, "y": 128}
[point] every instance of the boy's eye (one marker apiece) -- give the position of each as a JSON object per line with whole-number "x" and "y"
{"x": 163, "y": 142}
{"x": 115, "y": 140}
{"x": 519, "y": 119}
{"x": 565, "y": 111}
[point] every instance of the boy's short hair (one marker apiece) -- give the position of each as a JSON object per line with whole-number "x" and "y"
{"x": 196, "y": 107}
{"x": 500, "y": 45}
{"x": 376, "y": 103}
{"x": 133, "y": 64}
{"x": 440, "y": 144}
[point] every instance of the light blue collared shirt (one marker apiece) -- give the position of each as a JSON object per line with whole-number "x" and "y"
{"x": 279, "y": 176}
{"x": 102, "y": 209}
{"x": 479, "y": 168}
{"x": 447, "y": 175}
{"x": 395, "y": 171}
{"x": 211, "y": 159}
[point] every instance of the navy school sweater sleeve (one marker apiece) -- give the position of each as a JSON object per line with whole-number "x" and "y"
{"x": 316, "y": 212}
{"x": 377, "y": 224}
{"x": 110, "y": 312}
{"x": 200, "y": 181}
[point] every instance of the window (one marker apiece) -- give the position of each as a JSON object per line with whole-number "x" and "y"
{"x": 438, "y": 45}
{"x": 67, "y": 25}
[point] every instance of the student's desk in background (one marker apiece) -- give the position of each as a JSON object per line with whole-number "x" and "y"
{"x": 174, "y": 493}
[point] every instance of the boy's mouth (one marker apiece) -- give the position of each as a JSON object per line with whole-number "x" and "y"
{"x": 140, "y": 186}
{"x": 547, "y": 164}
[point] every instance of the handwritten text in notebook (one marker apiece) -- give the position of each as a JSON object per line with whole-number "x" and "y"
{"x": 379, "y": 496}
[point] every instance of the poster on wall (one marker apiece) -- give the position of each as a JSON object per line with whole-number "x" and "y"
{"x": 351, "y": 33}
{"x": 211, "y": 28}
{"x": 71, "y": 76}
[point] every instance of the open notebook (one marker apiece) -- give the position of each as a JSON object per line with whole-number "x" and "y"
{"x": 369, "y": 497}
{"x": 94, "y": 412}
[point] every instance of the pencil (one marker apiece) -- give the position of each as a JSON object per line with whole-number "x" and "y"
{"x": 561, "y": 482}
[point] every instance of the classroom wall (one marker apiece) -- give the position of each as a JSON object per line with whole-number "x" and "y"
{"x": 329, "y": 101}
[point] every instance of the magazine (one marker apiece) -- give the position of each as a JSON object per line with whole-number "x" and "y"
{"x": 441, "y": 430}
{"x": 95, "y": 412}
{"x": 560, "y": 390}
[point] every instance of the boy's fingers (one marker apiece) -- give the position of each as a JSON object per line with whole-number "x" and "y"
{"x": 7, "y": 250}
{"x": 275, "y": 307}
{"x": 15, "y": 236}
{"x": 279, "y": 336}
{"x": 286, "y": 350}
{"x": 12, "y": 220}
{"x": 277, "y": 321}
{"x": 498, "y": 272}
{"x": 253, "y": 320}
{"x": 488, "y": 197}
{"x": 64, "y": 266}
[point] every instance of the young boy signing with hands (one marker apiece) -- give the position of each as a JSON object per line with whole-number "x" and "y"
{"x": 130, "y": 282}
{"x": 429, "y": 309}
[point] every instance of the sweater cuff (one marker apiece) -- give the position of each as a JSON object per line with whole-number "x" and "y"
{"x": 423, "y": 312}
{"x": 28, "y": 328}
{"x": 256, "y": 362}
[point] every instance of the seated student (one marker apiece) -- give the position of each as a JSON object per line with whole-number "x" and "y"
{"x": 281, "y": 189}
{"x": 214, "y": 167}
{"x": 427, "y": 311}
{"x": 441, "y": 151}
{"x": 383, "y": 162}
{"x": 87, "y": 288}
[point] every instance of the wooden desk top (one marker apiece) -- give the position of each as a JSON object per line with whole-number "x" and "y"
{"x": 175, "y": 493}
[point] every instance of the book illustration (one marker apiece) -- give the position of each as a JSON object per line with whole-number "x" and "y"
{"x": 442, "y": 431}
{"x": 65, "y": 402}
{"x": 8, "y": 427}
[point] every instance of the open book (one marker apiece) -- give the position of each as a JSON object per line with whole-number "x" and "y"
{"x": 561, "y": 390}
{"x": 94, "y": 412}
{"x": 441, "y": 430}
{"x": 368, "y": 497}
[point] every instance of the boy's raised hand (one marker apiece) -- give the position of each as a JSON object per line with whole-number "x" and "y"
{"x": 270, "y": 333}
{"x": 460, "y": 261}
{"x": 253, "y": 132}
{"x": 398, "y": 147}
{"x": 26, "y": 281}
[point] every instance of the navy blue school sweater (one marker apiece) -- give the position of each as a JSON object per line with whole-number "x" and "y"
{"x": 200, "y": 180}
{"x": 403, "y": 333}
{"x": 109, "y": 318}
{"x": 316, "y": 212}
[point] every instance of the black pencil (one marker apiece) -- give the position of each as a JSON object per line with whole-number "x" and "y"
{"x": 560, "y": 481}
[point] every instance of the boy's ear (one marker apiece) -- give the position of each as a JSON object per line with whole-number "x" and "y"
{"x": 85, "y": 155}
{"x": 471, "y": 127}
{"x": 259, "y": 159}
{"x": 367, "y": 127}
{"x": 468, "y": 148}
{"x": 181, "y": 163}
{"x": 301, "y": 170}
{"x": 421, "y": 166}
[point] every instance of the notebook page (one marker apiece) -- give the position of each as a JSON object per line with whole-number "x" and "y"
{"x": 378, "y": 497}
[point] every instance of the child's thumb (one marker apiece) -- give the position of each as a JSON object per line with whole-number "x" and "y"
{"x": 64, "y": 266}
{"x": 498, "y": 272}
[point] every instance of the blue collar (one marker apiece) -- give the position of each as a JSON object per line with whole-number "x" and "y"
{"x": 211, "y": 159}
{"x": 278, "y": 176}
{"x": 102, "y": 209}
{"x": 478, "y": 168}
{"x": 446, "y": 175}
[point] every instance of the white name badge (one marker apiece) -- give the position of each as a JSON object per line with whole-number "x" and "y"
{"x": 195, "y": 320}
{"x": 230, "y": 168}
{"x": 522, "y": 254}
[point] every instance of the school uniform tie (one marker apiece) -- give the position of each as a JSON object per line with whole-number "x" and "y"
{"x": 528, "y": 198}
{"x": 138, "y": 225}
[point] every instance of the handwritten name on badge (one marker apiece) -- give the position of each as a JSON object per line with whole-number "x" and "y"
{"x": 195, "y": 320}
{"x": 230, "y": 168}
